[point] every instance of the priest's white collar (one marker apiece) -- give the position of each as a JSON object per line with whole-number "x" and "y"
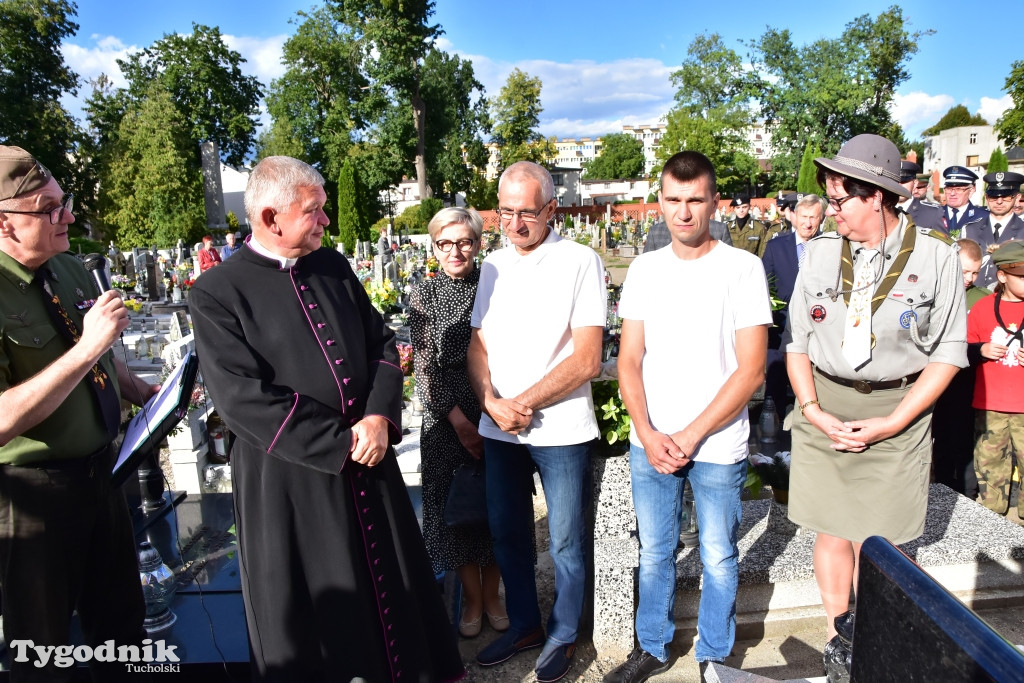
{"x": 286, "y": 263}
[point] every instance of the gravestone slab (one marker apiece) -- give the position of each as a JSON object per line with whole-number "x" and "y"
{"x": 180, "y": 327}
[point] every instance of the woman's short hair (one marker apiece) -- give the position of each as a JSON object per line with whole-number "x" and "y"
{"x": 455, "y": 214}
{"x": 275, "y": 182}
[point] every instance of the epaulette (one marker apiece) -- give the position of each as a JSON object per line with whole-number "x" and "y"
{"x": 925, "y": 202}
{"x": 826, "y": 236}
{"x": 941, "y": 236}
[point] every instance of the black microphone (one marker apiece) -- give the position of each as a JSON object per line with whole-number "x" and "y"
{"x": 96, "y": 264}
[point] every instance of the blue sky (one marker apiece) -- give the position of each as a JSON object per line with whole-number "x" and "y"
{"x": 603, "y": 64}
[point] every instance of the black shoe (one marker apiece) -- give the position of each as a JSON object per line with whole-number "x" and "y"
{"x": 508, "y": 645}
{"x": 638, "y": 667}
{"x": 837, "y": 661}
{"x": 844, "y": 627}
{"x": 555, "y": 664}
{"x": 704, "y": 667}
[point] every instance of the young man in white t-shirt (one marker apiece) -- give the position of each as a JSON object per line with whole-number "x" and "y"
{"x": 695, "y": 318}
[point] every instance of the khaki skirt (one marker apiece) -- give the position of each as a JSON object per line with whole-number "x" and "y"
{"x": 882, "y": 491}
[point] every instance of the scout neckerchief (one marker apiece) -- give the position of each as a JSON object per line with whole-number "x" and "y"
{"x": 909, "y": 240}
{"x": 103, "y": 388}
{"x": 1018, "y": 335}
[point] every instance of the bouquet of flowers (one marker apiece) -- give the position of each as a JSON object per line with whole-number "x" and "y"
{"x": 405, "y": 356}
{"x": 122, "y": 282}
{"x": 383, "y": 295}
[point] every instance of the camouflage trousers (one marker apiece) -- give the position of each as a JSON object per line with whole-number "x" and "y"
{"x": 1000, "y": 440}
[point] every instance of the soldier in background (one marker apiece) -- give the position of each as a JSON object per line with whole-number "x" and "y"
{"x": 747, "y": 233}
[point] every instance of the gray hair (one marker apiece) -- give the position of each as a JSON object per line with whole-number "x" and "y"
{"x": 811, "y": 200}
{"x": 455, "y": 214}
{"x": 534, "y": 172}
{"x": 275, "y": 182}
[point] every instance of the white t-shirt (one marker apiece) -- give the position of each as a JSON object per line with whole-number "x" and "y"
{"x": 526, "y": 307}
{"x": 691, "y": 311}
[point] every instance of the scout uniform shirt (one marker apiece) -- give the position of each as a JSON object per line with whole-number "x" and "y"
{"x": 30, "y": 341}
{"x": 921, "y": 288}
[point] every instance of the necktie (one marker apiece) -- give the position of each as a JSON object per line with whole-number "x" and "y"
{"x": 857, "y": 333}
{"x": 801, "y": 254}
{"x": 98, "y": 379}
{"x": 956, "y": 217}
{"x": 995, "y": 232}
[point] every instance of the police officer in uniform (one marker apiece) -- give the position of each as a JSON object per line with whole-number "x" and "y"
{"x": 960, "y": 212}
{"x": 746, "y": 232}
{"x": 867, "y": 357}
{"x": 924, "y": 214}
{"x": 1001, "y": 190}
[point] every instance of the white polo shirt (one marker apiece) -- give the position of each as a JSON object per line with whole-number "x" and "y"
{"x": 526, "y": 308}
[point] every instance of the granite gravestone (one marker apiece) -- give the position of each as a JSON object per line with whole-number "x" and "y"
{"x": 909, "y": 628}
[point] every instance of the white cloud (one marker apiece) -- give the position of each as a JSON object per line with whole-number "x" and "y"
{"x": 918, "y": 110}
{"x": 992, "y": 109}
{"x": 586, "y": 97}
{"x": 89, "y": 61}
{"x": 262, "y": 55}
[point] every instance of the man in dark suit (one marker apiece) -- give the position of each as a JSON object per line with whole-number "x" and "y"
{"x": 658, "y": 236}
{"x": 781, "y": 262}
{"x": 925, "y": 214}
{"x": 960, "y": 212}
{"x": 1001, "y": 190}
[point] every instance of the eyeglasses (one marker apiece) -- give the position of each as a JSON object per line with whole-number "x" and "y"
{"x": 527, "y": 216}
{"x": 67, "y": 203}
{"x": 959, "y": 188}
{"x": 464, "y": 244}
{"x": 837, "y": 202}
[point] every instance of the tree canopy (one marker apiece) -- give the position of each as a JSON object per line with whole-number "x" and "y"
{"x": 1010, "y": 126}
{"x": 832, "y": 89}
{"x": 622, "y": 156}
{"x": 516, "y": 116}
{"x": 33, "y": 78}
{"x": 712, "y": 112}
{"x": 957, "y": 116}
{"x": 217, "y": 102}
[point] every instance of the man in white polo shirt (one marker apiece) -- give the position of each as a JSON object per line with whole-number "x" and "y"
{"x": 538, "y": 325}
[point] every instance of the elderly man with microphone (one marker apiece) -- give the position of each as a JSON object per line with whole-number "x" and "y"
{"x": 66, "y": 540}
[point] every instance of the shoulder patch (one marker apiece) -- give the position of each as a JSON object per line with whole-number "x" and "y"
{"x": 941, "y": 236}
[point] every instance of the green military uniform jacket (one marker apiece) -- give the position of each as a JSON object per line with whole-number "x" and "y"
{"x": 750, "y": 238}
{"x": 29, "y": 342}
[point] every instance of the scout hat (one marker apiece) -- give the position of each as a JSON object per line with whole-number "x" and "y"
{"x": 1003, "y": 183}
{"x": 908, "y": 171}
{"x": 869, "y": 158}
{"x": 1009, "y": 257}
{"x": 955, "y": 176}
{"x": 20, "y": 173}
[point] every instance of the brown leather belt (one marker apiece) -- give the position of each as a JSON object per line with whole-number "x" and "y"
{"x": 866, "y": 387}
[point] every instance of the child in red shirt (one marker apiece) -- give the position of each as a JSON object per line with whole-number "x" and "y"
{"x": 995, "y": 329}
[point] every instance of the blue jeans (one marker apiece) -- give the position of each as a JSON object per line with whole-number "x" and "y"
{"x": 658, "y": 500}
{"x": 565, "y": 476}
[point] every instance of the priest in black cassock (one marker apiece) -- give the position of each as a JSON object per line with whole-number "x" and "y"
{"x": 335, "y": 577}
